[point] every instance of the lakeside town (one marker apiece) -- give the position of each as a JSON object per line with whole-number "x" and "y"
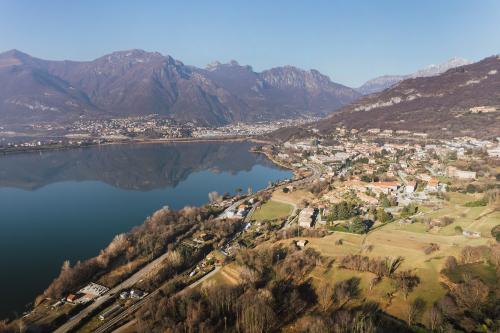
{"x": 357, "y": 199}
{"x": 84, "y": 133}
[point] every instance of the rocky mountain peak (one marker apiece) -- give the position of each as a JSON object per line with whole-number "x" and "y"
{"x": 132, "y": 56}
{"x": 213, "y": 65}
{"x": 432, "y": 70}
{"x": 381, "y": 83}
{"x": 136, "y": 82}
{"x": 13, "y": 54}
{"x": 232, "y": 64}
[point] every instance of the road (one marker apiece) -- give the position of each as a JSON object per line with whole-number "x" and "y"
{"x": 131, "y": 281}
{"x": 128, "y": 283}
{"x": 129, "y": 311}
{"x": 113, "y": 322}
{"x": 205, "y": 277}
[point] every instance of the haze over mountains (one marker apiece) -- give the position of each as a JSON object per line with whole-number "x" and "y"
{"x": 137, "y": 82}
{"x": 381, "y": 83}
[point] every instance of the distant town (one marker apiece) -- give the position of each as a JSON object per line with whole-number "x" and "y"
{"x": 85, "y": 133}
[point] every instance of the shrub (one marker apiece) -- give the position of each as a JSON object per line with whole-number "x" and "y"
{"x": 450, "y": 264}
{"x": 343, "y": 211}
{"x": 409, "y": 210}
{"x": 471, "y": 188}
{"x": 477, "y": 203}
{"x": 382, "y": 216}
{"x": 358, "y": 226}
{"x": 431, "y": 248}
{"x": 495, "y": 232}
{"x": 446, "y": 220}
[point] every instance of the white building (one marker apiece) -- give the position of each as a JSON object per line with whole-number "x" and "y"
{"x": 461, "y": 174}
{"x": 306, "y": 218}
{"x": 494, "y": 152}
{"x": 410, "y": 187}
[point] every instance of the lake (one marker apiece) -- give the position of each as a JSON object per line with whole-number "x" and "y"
{"x": 69, "y": 204}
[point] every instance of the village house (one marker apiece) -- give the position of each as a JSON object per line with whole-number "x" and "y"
{"x": 432, "y": 185}
{"x": 384, "y": 187}
{"x": 410, "y": 187}
{"x": 306, "y": 217}
{"x": 471, "y": 234}
{"x": 387, "y": 133}
{"x": 494, "y": 152}
{"x": 454, "y": 172}
{"x": 71, "y": 298}
{"x": 91, "y": 292}
{"x": 373, "y": 130}
{"x": 367, "y": 199}
{"x": 242, "y": 210}
{"x": 87, "y": 294}
{"x": 301, "y": 243}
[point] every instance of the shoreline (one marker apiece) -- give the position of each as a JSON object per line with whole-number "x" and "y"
{"x": 256, "y": 193}
{"x": 28, "y": 150}
{"x": 270, "y": 158}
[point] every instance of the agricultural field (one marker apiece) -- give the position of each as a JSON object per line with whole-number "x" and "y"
{"x": 227, "y": 275}
{"x": 408, "y": 241}
{"x": 481, "y": 219}
{"x": 294, "y": 197}
{"x": 272, "y": 210}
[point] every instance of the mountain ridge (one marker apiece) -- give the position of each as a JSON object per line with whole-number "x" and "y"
{"x": 463, "y": 101}
{"x": 137, "y": 82}
{"x": 383, "y": 82}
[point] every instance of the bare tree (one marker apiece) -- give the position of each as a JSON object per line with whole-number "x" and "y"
{"x": 312, "y": 324}
{"x": 346, "y": 290}
{"x": 405, "y": 282}
{"x": 471, "y": 293}
{"x": 435, "y": 317}
{"x": 450, "y": 264}
{"x": 373, "y": 282}
{"x": 324, "y": 293}
{"x": 415, "y": 309}
{"x": 255, "y": 315}
{"x": 214, "y": 197}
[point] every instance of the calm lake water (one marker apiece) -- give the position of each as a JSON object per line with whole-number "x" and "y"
{"x": 69, "y": 204}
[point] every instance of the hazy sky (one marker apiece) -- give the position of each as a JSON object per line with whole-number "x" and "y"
{"x": 351, "y": 41}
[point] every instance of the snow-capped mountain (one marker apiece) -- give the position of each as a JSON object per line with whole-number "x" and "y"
{"x": 383, "y": 82}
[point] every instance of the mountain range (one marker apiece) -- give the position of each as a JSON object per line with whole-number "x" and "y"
{"x": 462, "y": 101}
{"x": 453, "y": 97}
{"x": 137, "y": 82}
{"x": 381, "y": 83}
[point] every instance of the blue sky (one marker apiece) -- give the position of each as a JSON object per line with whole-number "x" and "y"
{"x": 351, "y": 41}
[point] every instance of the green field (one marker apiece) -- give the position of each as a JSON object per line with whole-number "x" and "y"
{"x": 409, "y": 241}
{"x": 272, "y": 210}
